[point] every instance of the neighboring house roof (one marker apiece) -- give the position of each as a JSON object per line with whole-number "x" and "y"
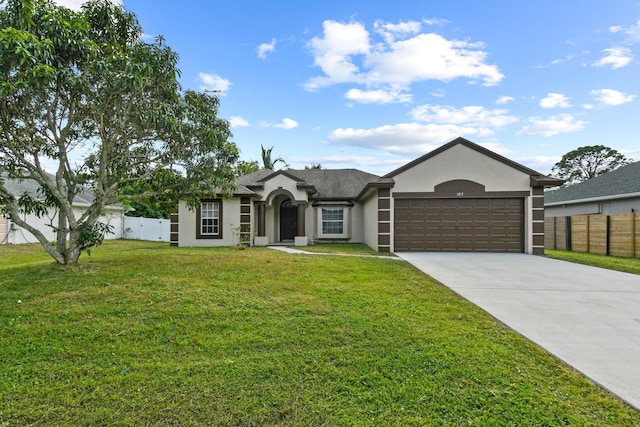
{"x": 323, "y": 184}
{"x": 620, "y": 183}
{"x": 30, "y": 186}
{"x": 536, "y": 177}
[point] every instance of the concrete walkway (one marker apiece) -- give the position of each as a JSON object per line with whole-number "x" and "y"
{"x": 586, "y": 316}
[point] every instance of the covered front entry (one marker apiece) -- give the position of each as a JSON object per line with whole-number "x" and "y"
{"x": 288, "y": 220}
{"x": 459, "y": 225}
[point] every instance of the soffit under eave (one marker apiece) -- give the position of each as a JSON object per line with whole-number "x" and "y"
{"x": 327, "y": 202}
{"x": 546, "y": 181}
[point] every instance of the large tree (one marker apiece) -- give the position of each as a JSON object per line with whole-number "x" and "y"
{"x": 587, "y": 162}
{"x": 87, "y": 105}
{"x": 245, "y": 167}
{"x": 159, "y": 205}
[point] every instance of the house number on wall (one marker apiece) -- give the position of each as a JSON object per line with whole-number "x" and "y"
{"x": 460, "y": 194}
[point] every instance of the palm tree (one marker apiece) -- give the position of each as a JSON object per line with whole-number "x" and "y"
{"x": 267, "y": 162}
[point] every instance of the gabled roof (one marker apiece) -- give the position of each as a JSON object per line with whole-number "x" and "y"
{"x": 323, "y": 184}
{"x": 615, "y": 184}
{"x": 536, "y": 177}
{"x": 254, "y": 178}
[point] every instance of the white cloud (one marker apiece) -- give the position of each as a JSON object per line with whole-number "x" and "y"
{"x": 347, "y": 53}
{"x": 567, "y": 58}
{"x": 443, "y": 123}
{"x": 504, "y": 100}
{"x": 286, "y": 124}
{"x": 76, "y": 4}
{"x": 265, "y": 48}
{"x": 496, "y": 148}
{"x": 539, "y": 163}
{"x": 555, "y": 100}
{"x": 633, "y": 154}
{"x": 616, "y": 57}
{"x": 562, "y": 123}
{"x": 435, "y": 21}
{"x": 431, "y": 57}
{"x": 392, "y": 31}
{"x": 611, "y": 97}
{"x": 632, "y": 32}
{"x": 402, "y": 138}
{"x": 379, "y": 96}
{"x": 213, "y": 82}
{"x": 238, "y": 122}
{"x": 333, "y": 53}
{"x": 472, "y": 115}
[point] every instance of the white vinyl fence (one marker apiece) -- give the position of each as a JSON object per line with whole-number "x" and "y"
{"x": 10, "y": 233}
{"x": 153, "y": 229}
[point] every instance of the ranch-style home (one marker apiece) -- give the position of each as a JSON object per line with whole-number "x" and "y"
{"x": 459, "y": 197}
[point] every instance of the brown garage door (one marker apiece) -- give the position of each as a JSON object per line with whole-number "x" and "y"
{"x": 459, "y": 225}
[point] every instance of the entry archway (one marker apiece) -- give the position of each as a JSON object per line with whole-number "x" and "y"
{"x": 288, "y": 220}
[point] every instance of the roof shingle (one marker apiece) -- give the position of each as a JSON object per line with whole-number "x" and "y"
{"x": 624, "y": 180}
{"x": 334, "y": 184}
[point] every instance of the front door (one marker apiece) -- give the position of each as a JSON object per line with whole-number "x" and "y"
{"x": 288, "y": 220}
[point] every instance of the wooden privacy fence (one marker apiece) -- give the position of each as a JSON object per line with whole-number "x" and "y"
{"x": 616, "y": 235}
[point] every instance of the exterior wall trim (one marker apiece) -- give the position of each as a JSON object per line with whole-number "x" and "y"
{"x": 537, "y": 220}
{"x": 245, "y": 219}
{"x": 485, "y": 195}
{"x": 384, "y": 220}
{"x": 174, "y": 234}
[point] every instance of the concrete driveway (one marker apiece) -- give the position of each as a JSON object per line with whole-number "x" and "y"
{"x": 586, "y": 316}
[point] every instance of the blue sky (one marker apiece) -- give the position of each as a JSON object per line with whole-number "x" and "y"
{"x": 373, "y": 85}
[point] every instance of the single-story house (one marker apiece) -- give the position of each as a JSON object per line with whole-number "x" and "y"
{"x": 11, "y": 233}
{"x": 459, "y": 197}
{"x": 614, "y": 192}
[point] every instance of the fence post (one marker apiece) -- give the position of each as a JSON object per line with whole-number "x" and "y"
{"x": 568, "y": 231}
{"x": 607, "y": 235}
{"x": 633, "y": 234}
{"x": 588, "y": 229}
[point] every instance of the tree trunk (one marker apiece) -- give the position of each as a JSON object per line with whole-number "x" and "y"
{"x": 63, "y": 251}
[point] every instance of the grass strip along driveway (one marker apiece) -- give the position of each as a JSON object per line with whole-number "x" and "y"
{"x": 145, "y": 334}
{"x": 626, "y": 265}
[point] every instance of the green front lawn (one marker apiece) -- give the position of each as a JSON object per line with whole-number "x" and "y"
{"x": 144, "y": 334}
{"x": 627, "y": 265}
